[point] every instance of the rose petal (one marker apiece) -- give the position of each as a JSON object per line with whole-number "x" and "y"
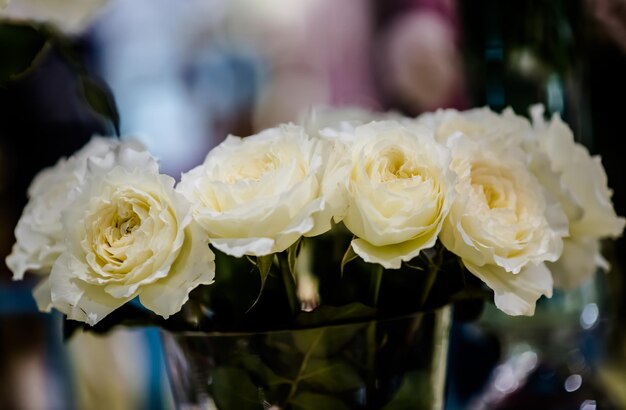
{"x": 392, "y": 256}
{"x": 578, "y": 263}
{"x": 194, "y": 266}
{"x": 515, "y": 294}
{"x": 77, "y": 299}
{"x": 42, "y": 293}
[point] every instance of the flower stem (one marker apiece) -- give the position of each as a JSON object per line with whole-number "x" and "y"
{"x": 372, "y": 349}
{"x": 377, "y": 278}
{"x": 289, "y": 282}
{"x": 431, "y": 274}
{"x": 305, "y": 362}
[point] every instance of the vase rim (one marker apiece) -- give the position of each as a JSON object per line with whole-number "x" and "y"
{"x": 357, "y": 322}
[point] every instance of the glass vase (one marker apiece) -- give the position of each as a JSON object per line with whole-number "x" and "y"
{"x": 552, "y": 360}
{"x": 396, "y": 363}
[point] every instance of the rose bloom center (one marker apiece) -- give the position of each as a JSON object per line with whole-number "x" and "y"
{"x": 111, "y": 232}
{"x": 253, "y": 169}
{"x": 394, "y": 166}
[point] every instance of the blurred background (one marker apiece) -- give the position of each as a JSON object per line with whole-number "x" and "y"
{"x": 185, "y": 74}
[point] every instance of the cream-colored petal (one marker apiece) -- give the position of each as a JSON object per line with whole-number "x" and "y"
{"x": 578, "y": 263}
{"x": 194, "y": 266}
{"x": 244, "y": 246}
{"x": 515, "y": 294}
{"x": 587, "y": 181}
{"x": 42, "y": 293}
{"x": 392, "y": 256}
{"x": 77, "y": 299}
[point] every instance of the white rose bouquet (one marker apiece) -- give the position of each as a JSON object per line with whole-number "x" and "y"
{"x": 344, "y": 217}
{"x": 449, "y": 201}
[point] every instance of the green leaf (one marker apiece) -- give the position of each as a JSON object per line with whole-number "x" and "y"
{"x": 323, "y": 341}
{"x": 326, "y": 341}
{"x": 416, "y": 267}
{"x": 279, "y": 350}
{"x": 233, "y": 389}
{"x": 254, "y": 365}
{"x": 314, "y": 401}
{"x": 100, "y": 100}
{"x": 20, "y": 46}
{"x": 292, "y": 255}
{"x": 349, "y": 256}
{"x": 335, "y": 375}
{"x": 415, "y": 392}
{"x": 329, "y": 340}
{"x": 264, "y": 264}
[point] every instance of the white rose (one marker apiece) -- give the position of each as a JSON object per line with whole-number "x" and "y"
{"x": 257, "y": 195}
{"x": 500, "y": 224}
{"x": 336, "y": 126}
{"x": 580, "y": 258}
{"x": 478, "y": 124}
{"x": 580, "y": 183}
{"x": 70, "y": 16}
{"x": 128, "y": 233}
{"x": 39, "y": 232}
{"x": 400, "y": 189}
